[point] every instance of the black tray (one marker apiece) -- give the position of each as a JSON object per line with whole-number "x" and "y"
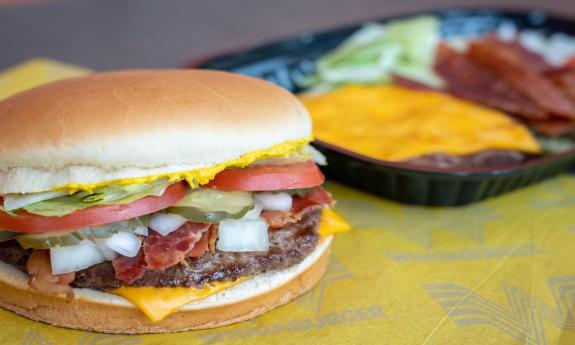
{"x": 285, "y": 61}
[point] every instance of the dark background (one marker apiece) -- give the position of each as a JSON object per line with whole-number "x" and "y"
{"x": 114, "y": 34}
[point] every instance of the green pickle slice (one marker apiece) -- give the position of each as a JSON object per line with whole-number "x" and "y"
{"x": 62, "y": 239}
{"x": 212, "y": 206}
{"x": 52, "y": 239}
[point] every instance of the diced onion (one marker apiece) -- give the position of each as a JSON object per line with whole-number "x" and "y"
{"x": 274, "y": 201}
{"x": 124, "y": 243}
{"x": 164, "y": 223}
{"x": 254, "y": 213}
{"x": 243, "y": 236}
{"x": 141, "y": 230}
{"x": 16, "y": 201}
{"x": 108, "y": 253}
{"x": 75, "y": 258}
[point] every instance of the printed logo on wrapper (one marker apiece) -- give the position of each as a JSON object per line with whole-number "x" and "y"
{"x": 523, "y": 318}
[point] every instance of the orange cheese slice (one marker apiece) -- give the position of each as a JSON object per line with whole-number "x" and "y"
{"x": 157, "y": 303}
{"x": 332, "y": 223}
{"x": 396, "y": 124}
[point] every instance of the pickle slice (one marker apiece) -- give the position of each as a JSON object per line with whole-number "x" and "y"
{"x": 200, "y": 216}
{"x": 62, "y": 239}
{"x": 211, "y": 201}
{"x": 52, "y": 239}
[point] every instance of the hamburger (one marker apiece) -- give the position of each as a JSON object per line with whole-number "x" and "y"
{"x": 158, "y": 201}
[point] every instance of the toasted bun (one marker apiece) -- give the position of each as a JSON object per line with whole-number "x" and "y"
{"x": 103, "y": 312}
{"x": 139, "y": 123}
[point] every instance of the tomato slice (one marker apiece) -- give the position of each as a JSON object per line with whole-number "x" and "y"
{"x": 269, "y": 178}
{"x": 92, "y": 216}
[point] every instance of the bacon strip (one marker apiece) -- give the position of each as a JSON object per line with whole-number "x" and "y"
{"x": 161, "y": 252}
{"x": 213, "y": 237}
{"x": 510, "y": 65}
{"x": 468, "y": 79}
{"x": 42, "y": 279}
{"x": 129, "y": 269}
{"x": 301, "y": 205}
{"x": 564, "y": 78}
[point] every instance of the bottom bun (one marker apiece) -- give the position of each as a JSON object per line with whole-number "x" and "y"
{"x": 93, "y": 310}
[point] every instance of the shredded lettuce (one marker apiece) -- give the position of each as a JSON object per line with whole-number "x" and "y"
{"x": 111, "y": 194}
{"x": 376, "y": 52}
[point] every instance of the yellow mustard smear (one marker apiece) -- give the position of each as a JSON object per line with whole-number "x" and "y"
{"x": 396, "y": 124}
{"x": 204, "y": 175}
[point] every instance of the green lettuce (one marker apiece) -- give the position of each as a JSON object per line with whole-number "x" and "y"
{"x": 107, "y": 195}
{"x": 376, "y": 52}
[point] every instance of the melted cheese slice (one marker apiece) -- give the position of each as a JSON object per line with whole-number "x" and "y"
{"x": 395, "y": 124}
{"x": 332, "y": 223}
{"x": 158, "y": 303}
{"x": 204, "y": 175}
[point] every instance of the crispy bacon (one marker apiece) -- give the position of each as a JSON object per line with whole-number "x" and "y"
{"x": 213, "y": 237}
{"x": 467, "y": 79}
{"x": 42, "y": 279}
{"x": 555, "y": 127}
{"x": 161, "y": 252}
{"x": 129, "y": 269}
{"x": 301, "y": 205}
{"x": 517, "y": 71}
{"x": 564, "y": 78}
{"x": 200, "y": 247}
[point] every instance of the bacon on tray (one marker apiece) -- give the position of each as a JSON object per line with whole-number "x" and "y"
{"x": 467, "y": 79}
{"x": 564, "y": 78}
{"x": 511, "y": 66}
{"x": 506, "y": 76}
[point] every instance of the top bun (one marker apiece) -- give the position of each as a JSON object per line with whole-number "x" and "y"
{"x": 139, "y": 123}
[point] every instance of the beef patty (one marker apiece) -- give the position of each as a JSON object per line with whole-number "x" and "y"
{"x": 487, "y": 158}
{"x": 288, "y": 246}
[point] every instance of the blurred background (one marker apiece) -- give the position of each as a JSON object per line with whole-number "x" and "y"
{"x": 114, "y": 34}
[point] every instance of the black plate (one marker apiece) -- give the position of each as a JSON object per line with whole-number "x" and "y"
{"x": 285, "y": 61}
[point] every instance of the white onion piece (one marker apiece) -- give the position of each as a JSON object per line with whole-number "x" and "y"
{"x": 108, "y": 253}
{"x": 141, "y": 230}
{"x": 243, "y": 236}
{"x": 124, "y": 243}
{"x": 164, "y": 223}
{"x": 274, "y": 201}
{"x": 254, "y": 213}
{"x": 75, "y": 258}
{"x": 16, "y": 201}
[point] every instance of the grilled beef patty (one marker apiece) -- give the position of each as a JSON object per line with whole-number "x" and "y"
{"x": 288, "y": 246}
{"x": 487, "y": 158}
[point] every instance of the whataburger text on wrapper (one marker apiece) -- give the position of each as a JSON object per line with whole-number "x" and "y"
{"x": 157, "y": 201}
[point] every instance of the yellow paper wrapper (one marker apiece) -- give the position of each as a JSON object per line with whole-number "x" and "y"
{"x": 497, "y": 272}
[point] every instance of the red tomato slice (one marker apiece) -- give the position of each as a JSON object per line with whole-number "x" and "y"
{"x": 92, "y": 216}
{"x": 570, "y": 62}
{"x": 269, "y": 178}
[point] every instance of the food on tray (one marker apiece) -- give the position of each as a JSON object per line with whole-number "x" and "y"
{"x": 423, "y": 127}
{"x": 191, "y": 194}
{"x": 516, "y": 73}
